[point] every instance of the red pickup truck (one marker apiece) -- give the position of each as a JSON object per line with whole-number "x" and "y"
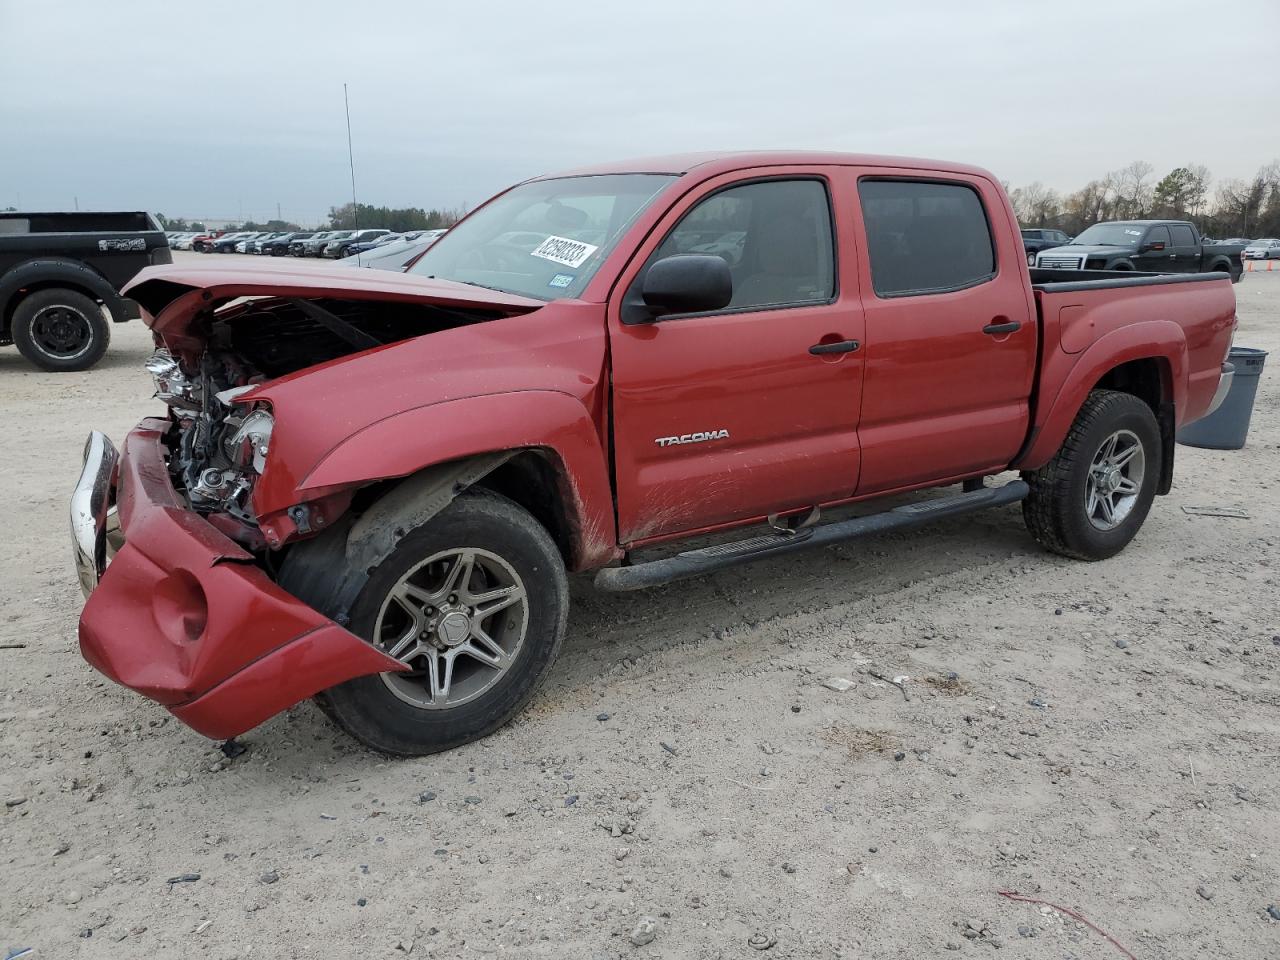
{"x": 369, "y": 487}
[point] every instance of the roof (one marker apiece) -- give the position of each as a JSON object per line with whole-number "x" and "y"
{"x": 710, "y": 164}
{"x": 1146, "y": 223}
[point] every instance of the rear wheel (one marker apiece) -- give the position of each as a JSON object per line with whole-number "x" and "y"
{"x": 475, "y": 603}
{"x": 60, "y": 330}
{"x": 1091, "y": 499}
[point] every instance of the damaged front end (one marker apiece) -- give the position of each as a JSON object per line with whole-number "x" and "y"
{"x": 183, "y": 604}
{"x": 217, "y": 447}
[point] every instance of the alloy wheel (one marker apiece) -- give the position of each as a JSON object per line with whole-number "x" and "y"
{"x": 457, "y": 619}
{"x": 1115, "y": 480}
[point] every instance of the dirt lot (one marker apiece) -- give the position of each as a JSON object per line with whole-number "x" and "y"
{"x": 1105, "y": 737}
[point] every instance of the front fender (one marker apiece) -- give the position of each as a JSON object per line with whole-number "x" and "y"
{"x": 454, "y": 429}
{"x": 1160, "y": 339}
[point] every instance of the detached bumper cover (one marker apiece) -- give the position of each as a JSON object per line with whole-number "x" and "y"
{"x": 184, "y": 617}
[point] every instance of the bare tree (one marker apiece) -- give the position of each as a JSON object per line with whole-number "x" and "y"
{"x": 1036, "y": 205}
{"x": 1132, "y": 190}
{"x": 1238, "y": 208}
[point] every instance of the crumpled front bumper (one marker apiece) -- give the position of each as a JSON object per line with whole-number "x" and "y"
{"x": 182, "y": 615}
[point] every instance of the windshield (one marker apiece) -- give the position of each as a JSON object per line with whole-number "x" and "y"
{"x": 543, "y": 239}
{"x": 1111, "y": 235}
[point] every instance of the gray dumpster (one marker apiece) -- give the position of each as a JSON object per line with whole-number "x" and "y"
{"x": 1228, "y": 426}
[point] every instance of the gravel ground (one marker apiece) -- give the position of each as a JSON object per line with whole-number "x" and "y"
{"x": 1105, "y": 737}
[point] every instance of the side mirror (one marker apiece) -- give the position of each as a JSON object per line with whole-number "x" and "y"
{"x": 1157, "y": 245}
{"x": 684, "y": 283}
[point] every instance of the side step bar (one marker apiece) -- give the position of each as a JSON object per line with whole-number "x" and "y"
{"x": 694, "y": 563}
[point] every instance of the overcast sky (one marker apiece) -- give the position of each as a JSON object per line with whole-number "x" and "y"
{"x": 227, "y": 108}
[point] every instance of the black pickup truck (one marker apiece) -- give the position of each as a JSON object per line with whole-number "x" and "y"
{"x": 60, "y": 276}
{"x": 1151, "y": 246}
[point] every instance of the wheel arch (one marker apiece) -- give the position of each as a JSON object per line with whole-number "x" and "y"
{"x": 1148, "y": 360}
{"x": 551, "y": 461}
{"x": 48, "y": 274}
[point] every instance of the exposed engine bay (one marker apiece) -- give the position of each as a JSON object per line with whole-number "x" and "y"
{"x": 218, "y": 446}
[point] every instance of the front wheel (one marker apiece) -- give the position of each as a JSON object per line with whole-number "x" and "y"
{"x": 1091, "y": 499}
{"x": 475, "y": 602}
{"x": 60, "y": 330}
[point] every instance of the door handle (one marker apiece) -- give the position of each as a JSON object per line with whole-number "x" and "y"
{"x": 840, "y": 346}
{"x": 995, "y": 329}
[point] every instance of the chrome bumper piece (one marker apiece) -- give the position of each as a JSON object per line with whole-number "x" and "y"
{"x": 92, "y": 512}
{"x": 1224, "y": 387}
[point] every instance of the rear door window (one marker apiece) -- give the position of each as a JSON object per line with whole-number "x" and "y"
{"x": 1182, "y": 235}
{"x": 925, "y": 237}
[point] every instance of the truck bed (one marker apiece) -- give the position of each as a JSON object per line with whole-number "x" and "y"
{"x": 1093, "y": 319}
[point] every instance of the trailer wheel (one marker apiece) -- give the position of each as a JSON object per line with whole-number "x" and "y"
{"x": 1091, "y": 499}
{"x": 60, "y": 330}
{"x": 475, "y": 602}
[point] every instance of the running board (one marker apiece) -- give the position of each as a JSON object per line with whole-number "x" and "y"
{"x": 694, "y": 563}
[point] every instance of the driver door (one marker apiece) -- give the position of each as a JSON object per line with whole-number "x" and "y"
{"x": 727, "y": 415}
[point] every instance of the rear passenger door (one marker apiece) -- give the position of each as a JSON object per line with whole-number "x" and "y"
{"x": 951, "y": 334}
{"x": 1185, "y": 249}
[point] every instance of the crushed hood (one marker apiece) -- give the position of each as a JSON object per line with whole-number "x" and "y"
{"x": 174, "y": 294}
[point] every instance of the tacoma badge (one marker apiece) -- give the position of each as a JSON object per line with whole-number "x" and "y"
{"x": 700, "y": 437}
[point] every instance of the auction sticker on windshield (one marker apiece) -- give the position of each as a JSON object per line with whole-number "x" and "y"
{"x": 572, "y": 253}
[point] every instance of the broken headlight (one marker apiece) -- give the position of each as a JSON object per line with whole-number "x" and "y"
{"x": 172, "y": 385}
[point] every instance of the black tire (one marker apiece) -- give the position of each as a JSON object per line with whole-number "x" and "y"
{"x": 370, "y": 711}
{"x": 1056, "y": 512}
{"x": 60, "y": 330}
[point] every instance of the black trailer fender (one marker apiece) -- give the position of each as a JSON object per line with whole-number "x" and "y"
{"x": 42, "y": 273}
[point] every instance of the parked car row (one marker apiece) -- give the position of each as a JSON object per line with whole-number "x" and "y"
{"x": 333, "y": 244}
{"x": 1268, "y": 248}
{"x": 394, "y": 252}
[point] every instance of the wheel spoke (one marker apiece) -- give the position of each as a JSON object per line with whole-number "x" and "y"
{"x": 1108, "y": 509}
{"x": 412, "y": 598}
{"x": 459, "y": 575}
{"x": 434, "y": 688}
{"x": 488, "y": 603}
{"x": 397, "y": 651}
{"x": 1127, "y": 486}
{"x": 446, "y": 681}
{"x": 1124, "y": 456}
{"x": 485, "y": 649}
{"x": 1107, "y": 449}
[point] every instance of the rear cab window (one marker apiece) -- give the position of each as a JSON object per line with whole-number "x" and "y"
{"x": 925, "y": 236}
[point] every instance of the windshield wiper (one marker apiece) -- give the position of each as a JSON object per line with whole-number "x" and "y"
{"x": 469, "y": 283}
